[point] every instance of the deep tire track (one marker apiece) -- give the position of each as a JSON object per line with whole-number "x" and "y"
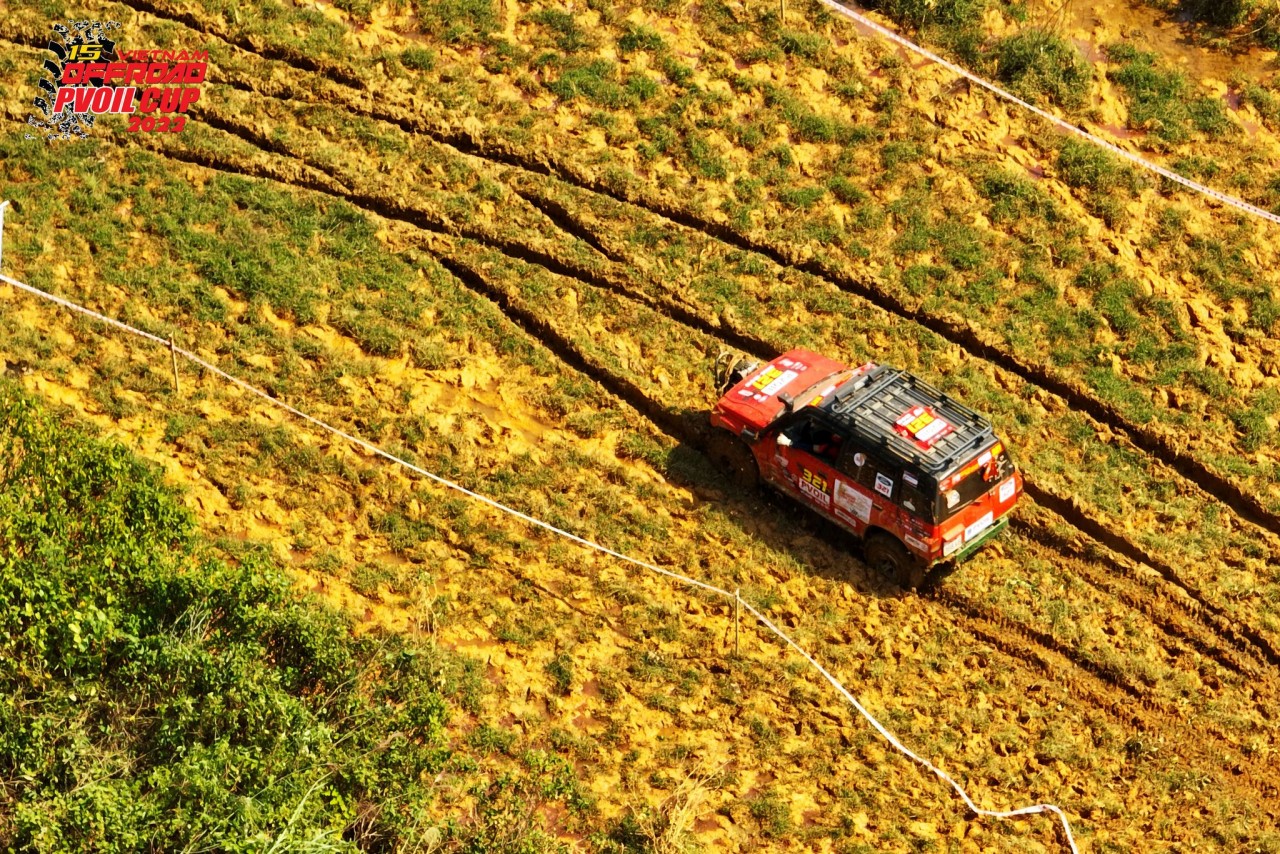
{"x": 1103, "y": 673}
{"x": 1203, "y": 642}
{"x": 1008, "y": 638}
{"x": 682, "y": 430}
{"x": 1244, "y": 505}
{"x": 696, "y": 434}
{"x": 568, "y": 223}
{"x": 293, "y": 57}
{"x": 757, "y": 346}
{"x": 676, "y": 427}
{"x": 1240, "y": 633}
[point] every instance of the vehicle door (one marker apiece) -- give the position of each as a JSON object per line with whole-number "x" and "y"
{"x": 865, "y": 492}
{"x": 806, "y": 455}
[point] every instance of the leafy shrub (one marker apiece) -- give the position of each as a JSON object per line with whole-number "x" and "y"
{"x": 1263, "y": 100}
{"x": 800, "y": 197}
{"x": 560, "y": 669}
{"x": 1222, "y": 13}
{"x": 1082, "y": 164}
{"x": 569, "y": 37}
{"x": 1209, "y": 115}
{"x": 846, "y": 191}
{"x": 808, "y": 45}
{"x": 1161, "y": 100}
{"x": 361, "y": 10}
{"x": 154, "y": 696}
{"x": 900, "y": 151}
{"x": 705, "y": 159}
{"x": 1014, "y": 198}
{"x": 593, "y": 80}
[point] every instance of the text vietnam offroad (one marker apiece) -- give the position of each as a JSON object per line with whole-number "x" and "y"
{"x": 89, "y": 86}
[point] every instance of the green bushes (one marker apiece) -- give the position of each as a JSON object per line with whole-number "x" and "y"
{"x": 596, "y": 81}
{"x": 154, "y": 696}
{"x": 808, "y": 45}
{"x": 568, "y": 36}
{"x": 809, "y": 126}
{"x": 639, "y": 37}
{"x": 418, "y": 59}
{"x": 1263, "y": 100}
{"x": 1222, "y": 13}
{"x": 1014, "y": 198}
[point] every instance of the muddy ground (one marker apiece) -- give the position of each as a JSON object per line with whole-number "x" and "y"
{"x": 522, "y": 284}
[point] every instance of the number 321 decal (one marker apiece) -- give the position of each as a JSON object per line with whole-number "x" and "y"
{"x": 814, "y": 486}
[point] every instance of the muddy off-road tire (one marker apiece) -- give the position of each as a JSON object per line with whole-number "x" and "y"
{"x": 886, "y": 555}
{"x": 736, "y": 460}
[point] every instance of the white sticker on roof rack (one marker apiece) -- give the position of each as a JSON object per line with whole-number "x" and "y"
{"x": 922, "y": 425}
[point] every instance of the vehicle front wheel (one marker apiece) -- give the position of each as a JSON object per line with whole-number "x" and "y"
{"x": 887, "y": 555}
{"x": 737, "y": 461}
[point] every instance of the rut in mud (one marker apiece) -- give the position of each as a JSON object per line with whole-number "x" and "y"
{"x": 1202, "y": 646}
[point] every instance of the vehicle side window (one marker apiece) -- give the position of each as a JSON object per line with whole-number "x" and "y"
{"x": 869, "y": 472}
{"x": 814, "y": 437}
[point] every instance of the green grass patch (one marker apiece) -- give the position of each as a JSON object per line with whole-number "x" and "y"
{"x": 1162, "y": 101}
{"x": 458, "y": 21}
{"x": 1040, "y": 66}
{"x": 922, "y": 13}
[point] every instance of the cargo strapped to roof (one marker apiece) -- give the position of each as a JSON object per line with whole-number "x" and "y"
{"x": 902, "y": 415}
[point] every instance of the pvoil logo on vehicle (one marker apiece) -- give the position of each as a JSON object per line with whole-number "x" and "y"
{"x": 90, "y": 76}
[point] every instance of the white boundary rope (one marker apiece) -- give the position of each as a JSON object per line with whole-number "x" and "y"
{"x": 510, "y": 511}
{"x": 1137, "y": 160}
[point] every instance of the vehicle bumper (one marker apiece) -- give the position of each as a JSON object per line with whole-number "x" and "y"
{"x": 969, "y": 548}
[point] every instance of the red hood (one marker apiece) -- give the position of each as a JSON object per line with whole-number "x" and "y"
{"x": 753, "y": 403}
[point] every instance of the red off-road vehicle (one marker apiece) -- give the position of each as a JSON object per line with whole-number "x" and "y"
{"x": 921, "y": 478}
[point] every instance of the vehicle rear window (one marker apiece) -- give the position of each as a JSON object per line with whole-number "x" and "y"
{"x": 914, "y": 499}
{"x": 972, "y": 480}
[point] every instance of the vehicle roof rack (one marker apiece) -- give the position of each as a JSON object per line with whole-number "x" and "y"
{"x": 871, "y": 405}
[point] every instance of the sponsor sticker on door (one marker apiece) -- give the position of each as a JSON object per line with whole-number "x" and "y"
{"x": 852, "y": 501}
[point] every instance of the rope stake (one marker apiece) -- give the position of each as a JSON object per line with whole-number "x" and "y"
{"x": 737, "y": 621}
{"x": 173, "y": 354}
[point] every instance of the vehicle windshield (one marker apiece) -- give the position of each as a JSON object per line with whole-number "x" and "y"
{"x": 972, "y": 481}
{"x": 820, "y": 390}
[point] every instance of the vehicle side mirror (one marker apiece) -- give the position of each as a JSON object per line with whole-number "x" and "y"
{"x": 784, "y": 440}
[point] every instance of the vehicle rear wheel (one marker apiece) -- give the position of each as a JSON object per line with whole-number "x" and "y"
{"x": 738, "y": 462}
{"x": 887, "y": 555}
